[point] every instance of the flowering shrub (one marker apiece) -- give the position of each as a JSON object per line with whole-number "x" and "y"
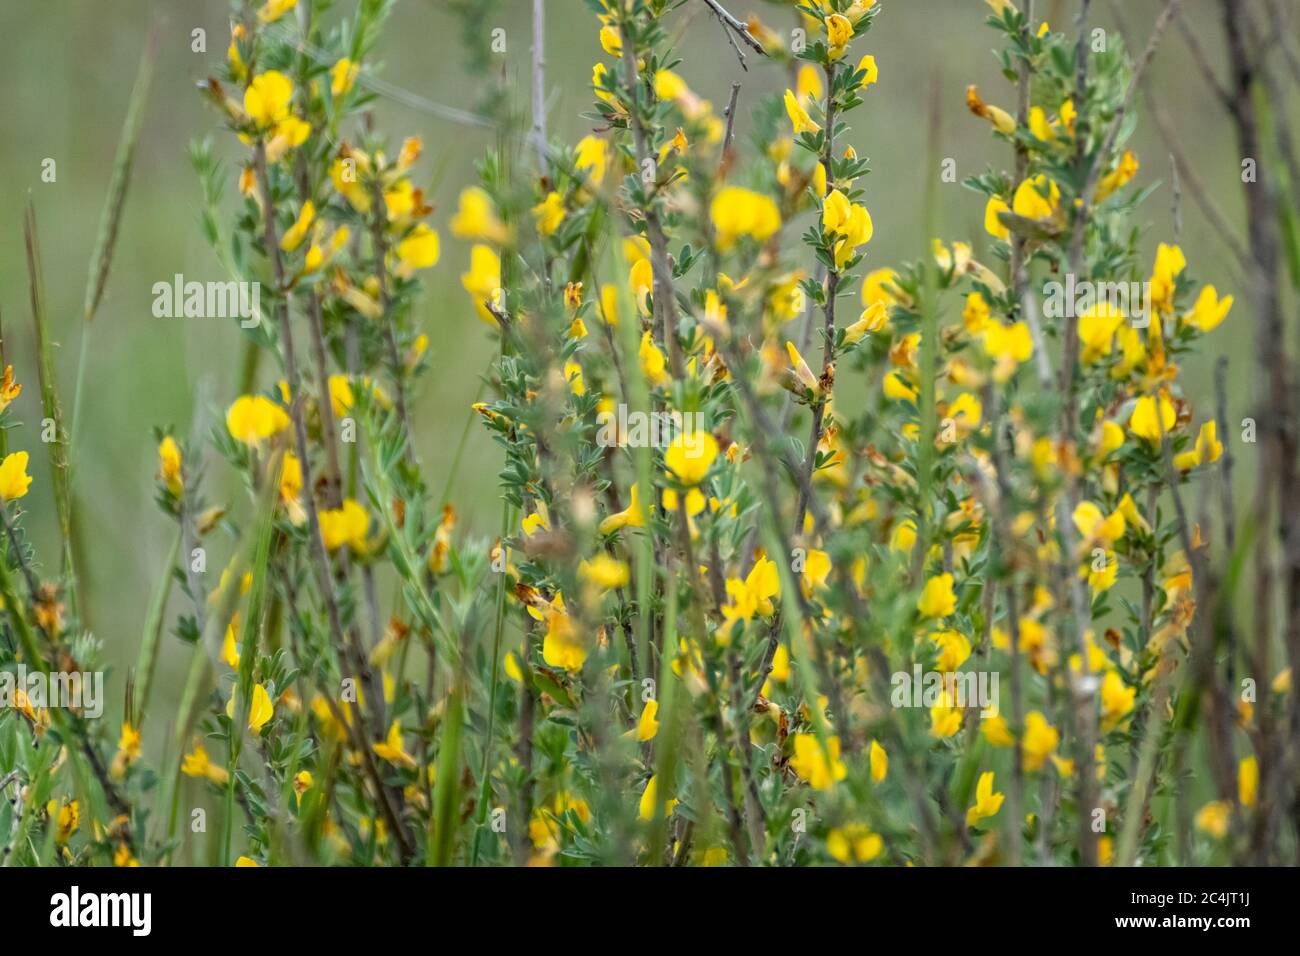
{"x": 726, "y": 616}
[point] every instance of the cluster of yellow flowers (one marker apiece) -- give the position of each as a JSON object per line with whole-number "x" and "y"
{"x": 677, "y": 646}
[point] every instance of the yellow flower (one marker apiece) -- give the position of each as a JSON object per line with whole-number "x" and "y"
{"x": 400, "y": 200}
{"x": 128, "y": 751}
{"x": 753, "y": 595}
{"x": 573, "y": 375}
{"x": 198, "y": 764}
{"x": 342, "y": 75}
{"x": 1119, "y": 177}
{"x": 14, "y": 480}
{"x": 1116, "y": 700}
{"x": 1039, "y": 126}
{"x": 1039, "y": 741}
{"x": 483, "y": 281}
{"x": 647, "y": 806}
{"x": 230, "y": 644}
{"x": 1104, "y": 579}
{"x": 966, "y": 412}
{"x": 1009, "y": 346}
{"x": 476, "y": 217}
{"x": 816, "y": 569}
{"x": 780, "y": 664}
{"x": 954, "y": 649}
{"x": 874, "y": 318}
{"x": 295, "y": 234}
{"x": 849, "y": 220}
{"x": 854, "y": 843}
{"x": 1001, "y": 120}
{"x": 799, "y": 118}
{"x": 1209, "y": 309}
{"x": 737, "y": 212}
{"x": 945, "y": 718}
{"x": 653, "y": 363}
{"x": 1133, "y": 517}
{"x": 938, "y": 598}
{"x": 345, "y": 525}
{"x": 1097, "y": 328}
{"x": 647, "y": 726}
{"x": 879, "y": 762}
{"x": 819, "y": 767}
{"x": 800, "y": 371}
{"x": 260, "y": 711}
{"x": 288, "y": 133}
{"x": 903, "y": 537}
{"x": 610, "y": 41}
{"x": 992, "y": 224}
{"x": 266, "y": 100}
{"x": 996, "y": 731}
{"x": 592, "y": 154}
{"x": 318, "y": 257}
{"x": 392, "y": 749}
{"x": 1212, "y": 819}
{"x": 1169, "y": 263}
{"x": 253, "y": 418}
{"x": 1143, "y": 422}
{"x": 867, "y": 66}
{"x": 9, "y": 389}
{"x": 1030, "y": 202}
{"x": 1112, "y": 439}
{"x": 629, "y": 517}
{"x": 839, "y": 31}
{"x": 341, "y": 397}
{"x": 68, "y": 816}
{"x": 169, "y": 464}
{"x": 878, "y": 286}
{"x": 808, "y": 84}
{"x": 1094, "y": 526}
{"x": 273, "y": 10}
{"x": 599, "y": 72}
{"x": 689, "y": 456}
{"x": 669, "y": 86}
{"x": 1248, "y": 781}
{"x": 247, "y": 862}
{"x": 987, "y": 803}
{"x": 420, "y": 249}
{"x": 561, "y": 646}
{"x": 549, "y": 213}
{"x": 122, "y": 857}
{"x": 1206, "y": 451}
{"x": 896, "y": 388}
{"x": 604, "y": 572}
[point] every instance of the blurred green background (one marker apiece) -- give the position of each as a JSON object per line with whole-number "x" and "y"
{"x": 69, "y": 66}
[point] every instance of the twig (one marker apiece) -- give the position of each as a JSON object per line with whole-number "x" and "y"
{"x": 664, "y": 297}
{"x": 725, "y": 155}
{"x": 1089, "y": 191}
{"x": 737, "y": 27}
{"x": 321, "y": 559}
{"x": 1222, "y": 227}
{"x": 539, "y": 81}
{"x": 1203, "y": 65}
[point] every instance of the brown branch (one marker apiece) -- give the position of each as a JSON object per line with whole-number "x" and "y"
{"x": 320, "y": 558}
{"x": 735, "y": 26}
